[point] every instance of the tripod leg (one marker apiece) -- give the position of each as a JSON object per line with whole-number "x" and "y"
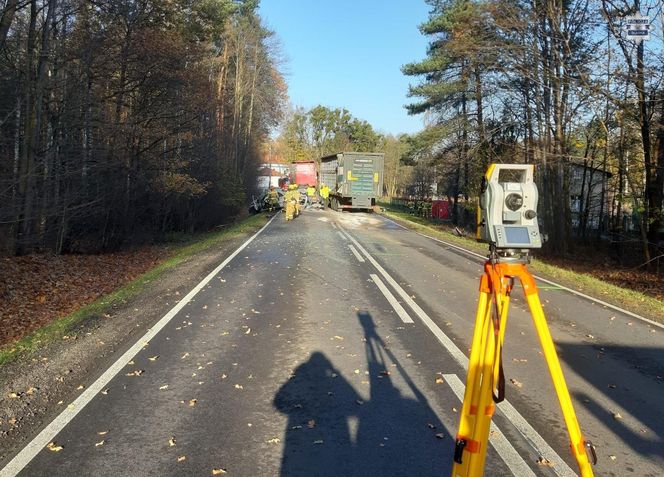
{"x": 466, "y": 445}
{"x": 485, "y": 406}
{"x": 577, "y": 443}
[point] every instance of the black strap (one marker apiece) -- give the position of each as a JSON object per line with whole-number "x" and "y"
{"x": 459, "y": 446}
{"x": 500, "y": 385}
{"x": 501, "y": 381}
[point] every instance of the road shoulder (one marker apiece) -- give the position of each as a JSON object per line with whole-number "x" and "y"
{"x": 36, "y": 387}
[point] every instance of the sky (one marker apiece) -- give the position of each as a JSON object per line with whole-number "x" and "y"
{"x": 348, "y": 54}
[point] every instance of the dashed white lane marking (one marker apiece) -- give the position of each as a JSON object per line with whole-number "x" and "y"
{"x": 544, "y": 280}
{"x": 342, "y": 236}
{"x": 393, "y": 301}
{"x": 507, "y": 453}
{"x": 37, "y": 444}
{"x": 356, "y": 253}
{"x": 525, "y": 429}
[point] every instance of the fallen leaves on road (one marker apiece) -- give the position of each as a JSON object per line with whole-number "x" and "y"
{"x": 518, "y": 384}
{"x": 154, "y": 358}
{"x": 219, "y": 471}
{"x": 53, "y": 447}
{"x": 617, "y": 416}
{"x": 105, "y": 391}
{"x": 137, "y": 372}
{"x": 311, "y": 423}
{"x": 184, "y": 356}
{"x": 193, "y": 402}
{"x": 544, "y": 462}
{"x": 440, "y": 435}
{"x": 165, "y": 386}
{"x": 274, "y": 440}
{"x": 100, "y": 443}
{"x": 319, "y": 441}
{"x": 171, "y": 442}
{"x": 439, "y": 380}
{"x": 182, "y": 458}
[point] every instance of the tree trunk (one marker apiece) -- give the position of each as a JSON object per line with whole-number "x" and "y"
{"x": 6, "y": 20}
{"x": 27, "y": 172}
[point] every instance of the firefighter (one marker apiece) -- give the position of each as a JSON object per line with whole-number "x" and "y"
{"x": 311, "y": 195}
{"x": 290, "y": 201}
{"x": 324, "y": 194}
{"x": 296, "y": 197}
{"x": 272, "y": 199}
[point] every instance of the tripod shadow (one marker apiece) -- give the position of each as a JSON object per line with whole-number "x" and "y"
{"x": 600, "y": 365}
{"x": 391, "y": 433}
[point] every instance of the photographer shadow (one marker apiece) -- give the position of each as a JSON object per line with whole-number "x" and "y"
{"x": 332, "y": 430}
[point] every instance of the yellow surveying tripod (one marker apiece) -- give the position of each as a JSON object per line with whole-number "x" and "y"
{"x": 485, "y": 383}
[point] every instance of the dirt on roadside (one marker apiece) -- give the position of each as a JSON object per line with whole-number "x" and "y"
{"x": 35, "y": 389}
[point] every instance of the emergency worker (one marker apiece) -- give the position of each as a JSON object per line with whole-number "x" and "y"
{"x": 296, "y": 197}
{"x": 311, "y": 194}
{"x": 289, "y": 201}
{"x": 272, "y": 199}
{"x": 324, "y": 194}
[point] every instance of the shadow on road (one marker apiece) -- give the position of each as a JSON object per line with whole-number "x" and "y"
{"x": 333, "y": 431}
{"x": 641, "y": 400}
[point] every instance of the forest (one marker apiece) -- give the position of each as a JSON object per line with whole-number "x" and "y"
{"x": 122, "y": 121}
{"x": 555, "y": 83}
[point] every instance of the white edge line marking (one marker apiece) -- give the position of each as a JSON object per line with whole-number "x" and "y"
{"x": 526, "y": 430}
{"x": 341, "y": 235}
{"x": 393, "y": 301}
{"x": 37, "y": 444}
{"x": 355, "y": 252}
{"x": 562, "y": 287}
{"x": 497, "y": 439}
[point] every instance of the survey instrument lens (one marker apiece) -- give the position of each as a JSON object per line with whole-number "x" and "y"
{"x": 514, "y": 202}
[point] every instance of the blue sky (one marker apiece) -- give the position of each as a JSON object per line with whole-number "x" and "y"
{"x": 343, "y": 53}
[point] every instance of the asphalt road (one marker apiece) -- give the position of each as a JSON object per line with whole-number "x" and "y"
{"x": 335, "y": 345}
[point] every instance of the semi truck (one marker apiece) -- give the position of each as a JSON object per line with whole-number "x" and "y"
{"x": 355, "y": 179}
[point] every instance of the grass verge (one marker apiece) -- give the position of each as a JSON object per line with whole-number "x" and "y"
{"x": 60, "y": 327}
{"x": 631, "y": 300}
